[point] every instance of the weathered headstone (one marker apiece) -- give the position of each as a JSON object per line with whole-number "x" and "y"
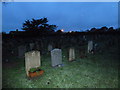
{"x": 50, "y": 47}
{"x": 56, "y": 57}
{"x": 90, "y": 46}
{"x": 21, "y": 51}
{"x": 32, "y": 60}
{"x": 71, "y": 54}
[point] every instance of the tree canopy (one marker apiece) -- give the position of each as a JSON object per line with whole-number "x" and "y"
{"x": 38, "y": 25}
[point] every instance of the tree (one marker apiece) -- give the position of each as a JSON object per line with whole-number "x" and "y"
{"x": 59, "y": 31}
{"x": 93, "y": 30}
{"x": 38, "y": 25}
{"x": 103, "y": 29}
{"x": 111, "y": 29}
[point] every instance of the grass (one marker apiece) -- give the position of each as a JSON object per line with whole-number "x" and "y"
{"x": 94, "y": 71}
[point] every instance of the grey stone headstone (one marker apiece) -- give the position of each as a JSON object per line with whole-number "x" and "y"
{"x": 21, "y": 51}
{"x": 50, "y": 47}
{"x": 56, "y": 57}
{"x": 84, "y": 37}
{"x": 32, "y": 60}
{"x": 71, "y": 54}
{"x": 31, "y": 46}
{"x": 90, "y": 46}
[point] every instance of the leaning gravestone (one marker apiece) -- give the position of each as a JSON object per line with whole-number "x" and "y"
{"x": 32, "y": 60}
{"x": 21, "y": 51}
{"x": 71, "y": 54}
{"x": 56, "y": 57}
{"x": 50, "y": 47}
{"x": 90, "y": 46}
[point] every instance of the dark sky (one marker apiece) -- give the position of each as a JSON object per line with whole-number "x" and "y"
{"x": 70, "y": 16}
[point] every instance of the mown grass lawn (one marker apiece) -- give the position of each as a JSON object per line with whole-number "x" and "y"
{"x": 94, "y": 71}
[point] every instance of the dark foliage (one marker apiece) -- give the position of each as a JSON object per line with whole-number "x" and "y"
{"x": 39, "y": 25}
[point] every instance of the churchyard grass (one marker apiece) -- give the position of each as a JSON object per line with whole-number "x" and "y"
{"x": 93, "y": 71}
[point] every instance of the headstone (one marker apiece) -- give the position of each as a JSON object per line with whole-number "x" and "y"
{"x": 50, "y": 47}
{"x": 71, "y": 54}
{"x": 27, "y": 47}
{"x": 21, "y": 51}
{"x": 31, "y": 46}
{"x": 95, "y": 46}
{"x": 37, "y": 46}
{"x": 56, "y": 57}
{"x": 84, "y": 37}
{"x": 32, "y": 60}
{"x": 90, "y": 46}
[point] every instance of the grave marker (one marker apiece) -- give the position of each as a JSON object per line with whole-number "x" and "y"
{"x": 50, "y": 47}
{"x": 21, "y": 51}
{"x": 32, "y": 60}
{"x": 31, "y": 46}
{"x": 56, "y": 57}
{"x": 37, "y": 46}
{"x": 71, "y": 54}
{"x": 90, "y": 46}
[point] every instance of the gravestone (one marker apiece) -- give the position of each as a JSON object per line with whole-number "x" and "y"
{"x": 84, "y": 37}
{"x": 71, "y": 54}
{"x": 37, "y": 46}
{"x": 50, "y": 47}
{"x": 56, "y": 57}
{"x": 32, "y": 60}
{"x": 31, "y": 46}
{"x": 21, "y": 51}
{"x": 90, "y": 46}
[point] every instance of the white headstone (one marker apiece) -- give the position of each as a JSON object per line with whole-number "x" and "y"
{"x": 71, "y": 54}
{"x": 56, "y": 57}
{"x": 90, "y": 46}
{"x": 32, "y": 60}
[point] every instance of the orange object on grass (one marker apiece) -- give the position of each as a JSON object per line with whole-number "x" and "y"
{"x": 34, "y": 74}
{"x": 41, "y": 72}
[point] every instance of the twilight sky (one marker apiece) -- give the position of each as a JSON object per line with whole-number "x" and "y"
{"x": 70, "y": 16}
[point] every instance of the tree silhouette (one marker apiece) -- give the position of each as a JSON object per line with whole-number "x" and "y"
{"x": 38, "y": 25}
{"x": 103, "y": 29}
{"x": 93, "y": 30}
{"x": 111, "y": 29}
{"x": 59, "y": 31}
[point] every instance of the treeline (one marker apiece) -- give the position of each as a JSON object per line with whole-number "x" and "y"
{"x": 40, "y": 27}
{"x": 93, "y": 31}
